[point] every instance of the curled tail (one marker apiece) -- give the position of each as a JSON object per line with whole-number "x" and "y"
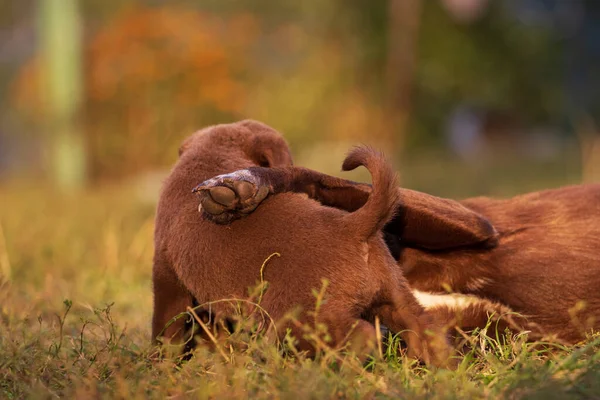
{"x": 384, "y": 198}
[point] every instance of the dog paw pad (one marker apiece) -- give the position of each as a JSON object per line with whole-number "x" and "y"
{"x": 225, "y": 198}
{"x": 244, "y": 189}
{"x": 223, "y": 195}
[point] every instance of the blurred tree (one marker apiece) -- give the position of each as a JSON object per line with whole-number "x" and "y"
{"x": 493, "y": 62}
{"x": 60, "y": 35}
{"x": 153, "y": 75}
{"x": 339, "y": 71}
{"x": 444, "y": 53}
{"x": 156, "y": 74}
{"x": 403, "y": 40}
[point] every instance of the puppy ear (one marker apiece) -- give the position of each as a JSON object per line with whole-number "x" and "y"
{"x": 435, "y": 223}
{"x": 267, "y": 147}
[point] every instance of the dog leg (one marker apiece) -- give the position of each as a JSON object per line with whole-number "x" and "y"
{"x": 425, "y": 339}
{"x": 227, "y": 197}
{"x": 362, "y": 339}
{"x": 347, "y": 331}
{"x": 479, "y": 313}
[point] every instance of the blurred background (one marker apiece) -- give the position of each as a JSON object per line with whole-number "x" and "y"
{"x": 470, "y": 97}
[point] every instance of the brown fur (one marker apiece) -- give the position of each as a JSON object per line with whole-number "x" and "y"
{"x": 546, "y": 260}
{"x": 197, "y": 259}
{"x": 537, "y": 254}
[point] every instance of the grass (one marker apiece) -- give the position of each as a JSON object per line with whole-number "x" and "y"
{"x": 75, "y": 322}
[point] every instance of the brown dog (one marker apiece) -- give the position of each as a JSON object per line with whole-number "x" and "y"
{"x": 537, "y": 254}
{"x": 195, "y": 258}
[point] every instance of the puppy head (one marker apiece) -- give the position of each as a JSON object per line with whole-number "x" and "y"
{"x": 250, "y": 141}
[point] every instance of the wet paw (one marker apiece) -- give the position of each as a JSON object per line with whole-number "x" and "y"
{"x": 228, "y": 197}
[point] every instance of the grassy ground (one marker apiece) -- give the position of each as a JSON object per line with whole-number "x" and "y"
{"x": 75, "y": 322}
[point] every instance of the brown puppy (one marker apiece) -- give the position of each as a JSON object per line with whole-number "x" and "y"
{"x": 196, "y": 258}
{"x": 537, "y": 254}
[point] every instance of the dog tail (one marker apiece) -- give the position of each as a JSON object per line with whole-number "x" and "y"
{"x": 384, "y": 197}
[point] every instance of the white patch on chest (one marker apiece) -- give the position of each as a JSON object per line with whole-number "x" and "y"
{"x": 453, "y": 301}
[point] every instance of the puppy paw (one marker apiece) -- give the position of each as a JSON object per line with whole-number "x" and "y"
{"x": 228, "y": 197}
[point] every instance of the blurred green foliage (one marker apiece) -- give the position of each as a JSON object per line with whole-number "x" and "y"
{"x": 494, "y": 62}
{"x": 156, "y": 71}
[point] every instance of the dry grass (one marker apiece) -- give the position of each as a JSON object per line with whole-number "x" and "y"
{"x": 75, "y": 322}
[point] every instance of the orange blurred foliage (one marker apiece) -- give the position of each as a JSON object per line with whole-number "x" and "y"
{"x": 151, "y": 74}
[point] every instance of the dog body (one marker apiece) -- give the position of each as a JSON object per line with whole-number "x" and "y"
{"x": 197, "y": 259}
{"x": 535, "y": 254}
{"x": 546, "y": 264}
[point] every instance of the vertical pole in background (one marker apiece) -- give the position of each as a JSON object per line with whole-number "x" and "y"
{"x": 404, "y": 18}
{"x": 60, "y": 41}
